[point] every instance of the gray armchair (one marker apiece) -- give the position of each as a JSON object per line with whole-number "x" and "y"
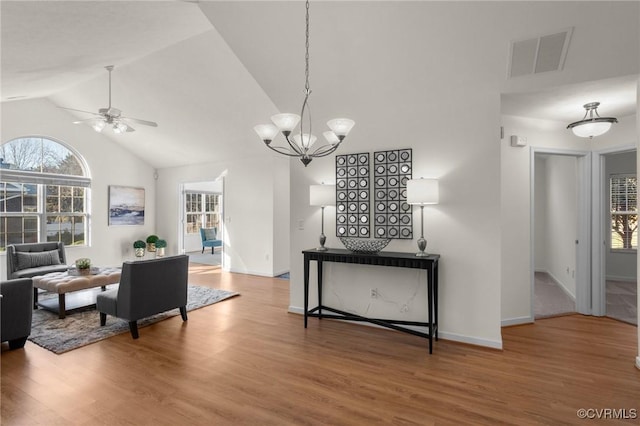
{"x": 16, "y": 311}
{"x": 146, "y": 288}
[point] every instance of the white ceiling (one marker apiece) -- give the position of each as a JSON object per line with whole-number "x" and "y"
{"x": 207, "y": 72}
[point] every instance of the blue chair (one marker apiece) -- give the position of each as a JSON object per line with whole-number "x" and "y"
{"x": 209, "y": 238}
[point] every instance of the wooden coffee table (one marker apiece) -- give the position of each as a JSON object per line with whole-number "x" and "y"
{"x": 66, "y": 282}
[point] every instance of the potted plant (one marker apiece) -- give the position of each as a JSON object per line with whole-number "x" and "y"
{"x": 84, "y": 266}
{"x": 160, "y": 247}
{"x": 139, "y": 246}
{"x": 151, "y": 242}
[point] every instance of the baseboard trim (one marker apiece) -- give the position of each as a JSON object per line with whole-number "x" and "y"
{"x": 296, "y": 310}
{"x": 623, "y": 279}
{"x": 563, "y": 288}
{"x": 260, "y": 274}
{"x": 476, "y": 341}
{"x": 517, "y": 321}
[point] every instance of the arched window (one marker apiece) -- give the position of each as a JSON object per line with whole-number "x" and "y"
{"x": 44, "y": 189}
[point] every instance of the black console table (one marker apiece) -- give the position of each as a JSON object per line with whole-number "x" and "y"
{"x": 399, "y": 260}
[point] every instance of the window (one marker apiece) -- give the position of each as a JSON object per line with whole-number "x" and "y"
{"x": 202, "y": 211}
{"x": 43, "y": 193}
{"x": 624, "y": 212}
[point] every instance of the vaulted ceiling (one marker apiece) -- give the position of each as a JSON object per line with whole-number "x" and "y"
{"x": 208, "y": 71}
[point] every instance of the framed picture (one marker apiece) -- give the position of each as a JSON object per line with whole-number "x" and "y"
{"x": 126, "y": 205}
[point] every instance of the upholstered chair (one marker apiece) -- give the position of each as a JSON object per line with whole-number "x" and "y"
{"x": 16, "y": 311}
{"x": 147, "y": 287}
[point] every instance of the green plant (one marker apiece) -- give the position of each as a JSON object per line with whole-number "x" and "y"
{"x": 83, "y": 263}
{"x": 151, "y": 239}
{"x": 139, "y": 244}
{"x": 161, "y": 243}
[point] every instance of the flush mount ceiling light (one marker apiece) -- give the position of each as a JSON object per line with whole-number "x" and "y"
{"x": 302, "y": 144}
{"x": 594, "y": 125}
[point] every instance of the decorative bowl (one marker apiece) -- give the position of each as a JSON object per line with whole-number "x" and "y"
{"x": 364, "y": 245}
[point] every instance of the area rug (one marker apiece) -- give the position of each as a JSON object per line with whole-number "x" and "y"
{"x": 82, "y": 328}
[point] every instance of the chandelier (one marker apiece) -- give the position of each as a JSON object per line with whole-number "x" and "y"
{"x": 592, "y": 126}
{"x": 303, "y": 144}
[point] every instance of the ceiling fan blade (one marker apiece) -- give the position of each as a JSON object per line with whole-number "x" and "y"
{"x": 145, "y": 122}
{"x": 79, "y": 110}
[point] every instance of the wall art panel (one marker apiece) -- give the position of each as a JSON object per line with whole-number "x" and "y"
{"x": 393, "y": 217}
{"x": 353, "y": 195}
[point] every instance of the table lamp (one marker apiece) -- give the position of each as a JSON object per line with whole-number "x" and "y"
{"x": 422, "y": 192}
{"x": 322, "y": 196}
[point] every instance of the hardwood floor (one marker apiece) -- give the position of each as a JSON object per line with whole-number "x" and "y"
{"x": 247, "y": 361}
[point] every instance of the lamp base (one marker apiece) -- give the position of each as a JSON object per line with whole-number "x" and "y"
{"x": 422, "y": 244}
{"x": 322, "y": 239}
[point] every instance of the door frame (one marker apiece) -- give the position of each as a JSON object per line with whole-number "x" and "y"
{"x": 182, "y": 216}
{"x": 583, "y": 232}
{"x": 599, "y": 248}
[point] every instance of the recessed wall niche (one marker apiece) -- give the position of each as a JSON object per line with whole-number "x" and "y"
{"x": 392, "y": 215}
{"x": 353, "y": 195}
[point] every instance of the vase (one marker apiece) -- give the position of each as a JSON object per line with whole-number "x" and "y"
{"x": 84, "y": 271}
{"x": 160, "y": 251}
{"x": 151, "y": 247}
{"x": 139, "y": 252}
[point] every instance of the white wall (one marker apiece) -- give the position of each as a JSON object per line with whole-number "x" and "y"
{"x": 463, "y": 228}
{"x": 249, "y": 209}
{"x": 561, "y": 224}
{"x": 109, "y": 164}
{"x": 619, "y": 265}
{"x": 540, "y": 214}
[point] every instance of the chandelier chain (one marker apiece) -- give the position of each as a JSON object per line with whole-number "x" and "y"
{"x": 306, "y": 55}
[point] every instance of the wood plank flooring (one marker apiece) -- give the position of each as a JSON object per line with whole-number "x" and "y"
{"x": 247, "y": 361}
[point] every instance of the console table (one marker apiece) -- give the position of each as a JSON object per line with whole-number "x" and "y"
{"x": 393, "y": 259}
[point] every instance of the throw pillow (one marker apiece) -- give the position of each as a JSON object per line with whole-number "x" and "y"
{"x": 28, "y": 260}
{"x": 210, "y": 233}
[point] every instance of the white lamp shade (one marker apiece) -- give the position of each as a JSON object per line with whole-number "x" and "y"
{"x": 286, "y": 122}
{"x": 120, "y": 128}
{"x": 305, "y": 140}
{"x": 341, "y": 126}
{"x": 331, "y": 137}
{"x": 266, "y": 131}
{"x": 589, "y": 130}
{"x": 423, "y": 191}
{"x": 98, "y": 125}
{"x": 322, "y": 195}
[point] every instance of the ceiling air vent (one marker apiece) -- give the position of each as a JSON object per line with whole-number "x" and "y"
{"x": 540, "y": 54}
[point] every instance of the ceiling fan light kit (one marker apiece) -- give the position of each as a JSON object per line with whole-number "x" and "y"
{"x": 594, "y": 125}
{"x": 110, "y": 116}
{"x": 300, "y": 145}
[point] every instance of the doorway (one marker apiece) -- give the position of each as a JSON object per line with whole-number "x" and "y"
{"x": 560, "y": 234}
{"x": 201, "y": 207}
{"x": 618, "y": 281}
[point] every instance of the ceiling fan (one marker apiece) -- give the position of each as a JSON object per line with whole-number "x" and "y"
{"x": 110, "y": 116}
